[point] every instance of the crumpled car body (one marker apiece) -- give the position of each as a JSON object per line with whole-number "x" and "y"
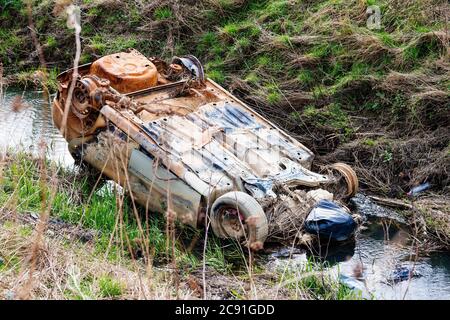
{"x": 179, "y": 143}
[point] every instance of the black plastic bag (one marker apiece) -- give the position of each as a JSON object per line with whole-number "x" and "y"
{"x": 330, "y": 221}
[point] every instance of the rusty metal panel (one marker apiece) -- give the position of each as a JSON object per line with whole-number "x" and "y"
{"x": 160, "y": 183}
{"x": 221, "y": 142}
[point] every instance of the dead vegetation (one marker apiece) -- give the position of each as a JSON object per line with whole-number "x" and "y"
{"x": 72, "y": 270}
{"x": 390, "y": 165}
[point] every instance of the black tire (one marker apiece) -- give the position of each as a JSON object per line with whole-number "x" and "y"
{"x": 247, "y": 217}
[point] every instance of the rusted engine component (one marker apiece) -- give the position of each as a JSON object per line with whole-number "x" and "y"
{"x": 126, "y": 71}
{"x": 178, "y": 141}
{"x": 89, "y": 95}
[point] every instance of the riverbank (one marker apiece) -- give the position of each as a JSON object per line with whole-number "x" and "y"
{"x": 84, "y": 243}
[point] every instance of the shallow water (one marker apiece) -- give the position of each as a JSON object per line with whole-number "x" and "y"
{"x": 31, "y": 124}
{"x": 373, "y": 263}
{"x": 368, "y": 264}
{"x": 381, "y": 257}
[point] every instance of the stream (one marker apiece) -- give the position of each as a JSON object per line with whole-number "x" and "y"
{"x": 380, "y": 263}
{"x": 31, "y": 123}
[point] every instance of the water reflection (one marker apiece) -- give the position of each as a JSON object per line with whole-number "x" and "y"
{"x": 26, "y": 121}
{"x": 375, "y": 263}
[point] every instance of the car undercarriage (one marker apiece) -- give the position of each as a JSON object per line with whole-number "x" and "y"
{"x": 179, "y": 143}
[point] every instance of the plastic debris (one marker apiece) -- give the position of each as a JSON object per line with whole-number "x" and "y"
{"x": 402, "y": 273}
{"x": 330, "y": 221}
{"x": 418, "y": 189}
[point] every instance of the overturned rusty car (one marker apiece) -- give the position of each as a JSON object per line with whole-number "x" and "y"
{"x": 179, "y": 143}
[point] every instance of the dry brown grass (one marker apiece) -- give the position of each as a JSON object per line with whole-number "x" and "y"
{"x": 67, "y": 267}
{"x": 71, "y": 269}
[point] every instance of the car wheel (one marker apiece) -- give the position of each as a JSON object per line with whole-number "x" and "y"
{"x": 237, "y": 215}
{"x": 346, "y": 173}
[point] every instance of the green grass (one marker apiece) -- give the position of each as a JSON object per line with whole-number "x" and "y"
{"x": 414, "y": 54}
{"x": 387, "y": 39}
{"x": 325, "y": 50}
{"x": 10, "y": 43}
{"x": 370, "y": 142}
{"x": 305, "y": 77}
{"x": 315, "y": 280}
{"x": 100, "y": 214}
{"x": 163, "y": 13}
{"x": 216, "y": 75}
{"x": 37, "y": 77}
{"x": 110, "y": 287}
{"x": 21, "y": 190}
{"x": 82, "y": 290}
{"x": 241, "y": 29}
{"x": 252, "y": 78}
{"x": 209, "y": 41}
{"x": 230, "y": 39}
{"x": 105, "y": 44}
{"x": 51, "y": 42}
{"x": 332, "y": 116}
{"x": 274, "y": 94}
